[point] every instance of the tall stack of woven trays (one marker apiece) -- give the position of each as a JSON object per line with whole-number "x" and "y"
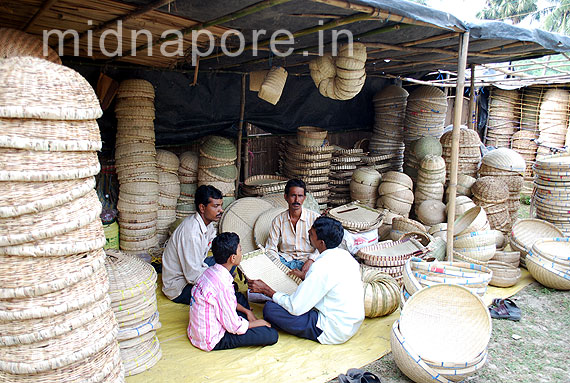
{"x": 132, "y": 286}
{"x": 508, "y": 166}
{"x": 216, "y": 166}
{"x": 504, "y": 117}
{"x": 551, "y": 195}
{"x": 425, "y": 116}
{"x": 344, "y": 163}
{"x": 530, "y": 109}
{"x": 135, "y": 160}
{"x": 310, "y": 160}
{"x": 523, "y": 143}
{"x": 168, "y": 192}
{"x": 469, "y": 152}
{"x": 388, "y": 132}
{"x": 553, "y": 120}
{"x": 263, "y": 184}
{"x": 188, "y": 177}
{"x": 364, "y": 186}
{"x": 56, "y": 323}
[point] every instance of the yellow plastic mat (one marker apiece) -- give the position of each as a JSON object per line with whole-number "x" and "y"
{"x": 291, "y": 359}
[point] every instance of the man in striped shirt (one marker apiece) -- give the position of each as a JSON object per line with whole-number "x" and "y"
{"x": 221, "y": 319}
{"x": 289, "y": 236}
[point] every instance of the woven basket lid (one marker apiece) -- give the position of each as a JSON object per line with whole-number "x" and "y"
{"x": 189, "y": 161}
{"x": 167, "y": 160}
{"x": 218, "y": 148}
{"x": 34, "y": 88}
{"x": 240, "y": 217}
{"x": 427, "y": 94}
{"x": 135, "y": 88}
{"x": 467, "y": 138}
{"x": 459, "y": 317}
{"x": 15, "y": 43}
{"x": 367, "y": 176}
{"x": 431, "y": 212}
{"x": 223, "y": 173}
{"x": 399, "y": 178}
{"x": 262, "y": 225}
{"x": 505, "y": 159}
{"x": 391, "y": 92}
{"x": 425, "y": 146}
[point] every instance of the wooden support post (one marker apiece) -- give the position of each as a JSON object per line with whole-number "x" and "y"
{"x": 471, "y": 120}
{"x": 246, "y": 152}
{"x": 240, "y": 131}
{"x": 452, "y": 187}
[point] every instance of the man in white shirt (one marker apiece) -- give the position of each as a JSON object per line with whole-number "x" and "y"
{"x": 328, "y": 306}
{"x": 184, "y": 258}
{"x": 289, "y": 238}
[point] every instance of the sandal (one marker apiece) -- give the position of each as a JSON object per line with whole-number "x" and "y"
{"x": 505, "y": 309}
{"x": 355, "y": 375}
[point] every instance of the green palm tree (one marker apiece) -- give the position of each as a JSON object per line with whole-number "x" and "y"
{"x": 559, "y": 19}
{"x": 514, "y": 10}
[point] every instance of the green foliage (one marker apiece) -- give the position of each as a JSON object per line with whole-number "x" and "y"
{"x": 514, "y": 10}
{"x": 559, "y": 19}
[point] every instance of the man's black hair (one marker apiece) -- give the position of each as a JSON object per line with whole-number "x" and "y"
{"x": 223, "y": 246}
{"x": 295, "y": 183}
{"x": 329, "y": 230}
{"x": 204, "y": 193}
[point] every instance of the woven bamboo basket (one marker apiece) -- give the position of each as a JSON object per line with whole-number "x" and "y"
{"x": 504, "y": 274}
{"x": 273, "y": 85}
{"x": 395, "y": 205}
{"x": 431, "y": 212}
{"x": 355, "y": 216}
{"x": 135, "y": 88}
{"x": 474, "y": 239}
{"x": 419, "y": 274}
{"x": 15, "y": 43}
{"x": 381, "y": 292}
{"x": 407, "y": 225}
{"x": 311, "y": 136}
{"x": 474, "y": 219}
{"x": 546, "y": 274}
{"x": 218, "y": 148}
{"x": 391, "y": 253}
{"x": 510, "y": 257}
{"x": 478, "y": 254}
{"x": 525, "y": 232}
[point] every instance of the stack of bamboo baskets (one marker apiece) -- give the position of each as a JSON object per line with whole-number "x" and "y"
{"x": 469, "y": 152}
{"x": 492, "y": 194}
{"x": 188, "y": 177}
{"x": 431, "y": 178}
{"x": 553, "y": 120}
{"x": 503, "y": 117}
{"x": 56, "y": 323}
{"x": 216, "y": 165}
{"x": 417, "y": 150}
{"x": 168, "y": 192}
{"x": 135, "y": 160}
{"x": 523, "y": 143}
{"x": 530, "y": 109}
{"x": 388, "y": 132}
{"x": 344, "y": 163}
{"x": 132, "y": 286}
{"x": 425, "y": 113}
{"x": 364, "y": 186}
{"x": 395, "y": 194}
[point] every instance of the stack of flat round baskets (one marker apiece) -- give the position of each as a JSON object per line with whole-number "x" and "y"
{"x": 357, "y": 217}
{"x": 549, "y": 262}
{"x": 525, "y": 232}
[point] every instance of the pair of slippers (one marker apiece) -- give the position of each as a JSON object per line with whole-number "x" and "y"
{"x": 355, "y": 375}
{"x": 504, "y": 309}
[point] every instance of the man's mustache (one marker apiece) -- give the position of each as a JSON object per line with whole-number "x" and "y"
{"x": 296, "y": 204}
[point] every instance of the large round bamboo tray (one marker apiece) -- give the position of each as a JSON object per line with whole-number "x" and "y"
{"x": 419, "y": 274}
{"x": 381, "y": 292}
{"x": 431, "y": 212}
{"x": 60, "y": 93}
{"x": 357, "y": 217}
{"x": 141, "y": 357}
{"x": 462, "y": 317}
{"x": 525, "y": 232}
{"x": 407, "y": 225}
{"x": 262, "y": 226}
{"x": 504, "y": 274}
{"x": 240, "y": 217}
{"x": 474, "y": 239}
{"x": 391, "y": 253}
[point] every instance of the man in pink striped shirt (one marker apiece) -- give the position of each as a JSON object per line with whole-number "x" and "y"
{"x": 221, "y": 319}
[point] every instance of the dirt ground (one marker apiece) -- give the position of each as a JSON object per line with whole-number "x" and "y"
{"x": 536, "y": 349}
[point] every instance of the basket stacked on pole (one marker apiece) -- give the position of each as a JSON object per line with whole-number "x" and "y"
{"x": 135, "y": 160}
{"x": 56, "y": 322}
{"x": 469, "y": 152}
{"x": 132, "y": 286}
{"x": 388, "y": 132}
{"x": 216, "y": 166}
{"x": 309, "y": 159}
{"x": 553, "y": 120}
{"x": 551, "y": 195}
{"x": 168, "y": 192}
{"x": 503, "y": 117}
{"x": 188, "y": 177}
{"x": 344, "y": 163}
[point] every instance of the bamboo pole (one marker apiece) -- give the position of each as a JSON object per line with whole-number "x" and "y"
{"x": 303, "y": 32}
{"x": 452, "y": 187}
{"x": 43, "y": 9}
{"x": 246, "y": 158}
{"x": 131, "y": 15}
{"x": 432, "y": 39}
{"x": 425, "y": 50}
{"x": 471, "y": 121}
{"x": 380, "y": 14}
{"x": 240, "y": 131}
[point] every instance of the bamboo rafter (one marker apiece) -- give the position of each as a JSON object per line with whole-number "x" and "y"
{"x": 43, "y": 9}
